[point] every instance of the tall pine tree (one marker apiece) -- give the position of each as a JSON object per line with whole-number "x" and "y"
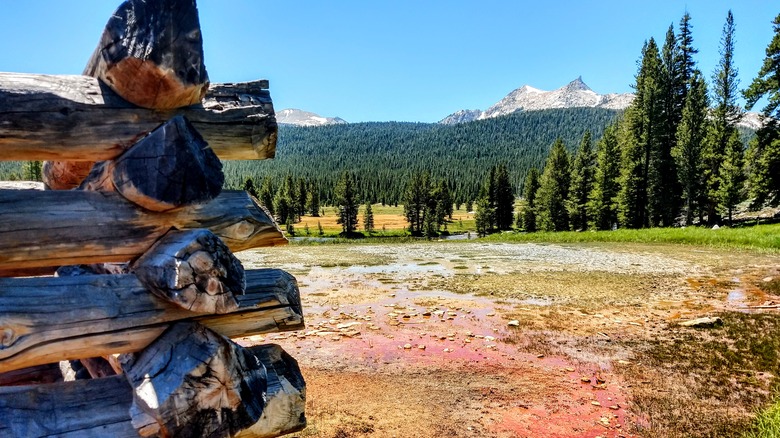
{"x": 582, "y": 174}
{"x": 640, "y": 137}
{"x": 602, "y": 202}
{"x": 551, "y": 213}
{"x": 691, "y": 139}
{"x": 725, "y": 116}
{"x": 503, "y": 198}
{"x": 764, "y": 153}
{"x": 530, "y": 189}
{"x": 731, "y": 175}
{"x": 345, "y": 194}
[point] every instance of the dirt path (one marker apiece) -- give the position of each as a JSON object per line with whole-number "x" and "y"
{"x": 473, "y": 339}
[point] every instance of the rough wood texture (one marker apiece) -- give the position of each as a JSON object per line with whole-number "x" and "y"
{"x": 170, "y": 168}
{"x": 151, "y": 54}
{"x": 98, "y": 315}
{"x": 192, "y": 382}
{"x": 193, "y": 269}
{"x": 101, "y": 407}
{"x": 35, "y": 375}
{"x": 56, "y": 228}
{"x": 75, "y": 118}
{"x": 98, "y": 367}
{"x": 64, "y": 175}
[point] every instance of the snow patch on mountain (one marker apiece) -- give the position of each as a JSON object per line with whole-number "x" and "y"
{"x": 292, "y": 116}
{"x": 526, "y": 98}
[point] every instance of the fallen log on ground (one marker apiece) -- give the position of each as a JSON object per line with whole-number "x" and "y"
{"x": 75, "y": 118}
{"x": 101, "y": 407}
{"x": 98, "y": 315}
{"x": 40, "y": 229}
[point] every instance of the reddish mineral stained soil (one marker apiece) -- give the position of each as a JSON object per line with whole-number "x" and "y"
{"x": 404, "y": 342}
{"x": 537, "y": 352}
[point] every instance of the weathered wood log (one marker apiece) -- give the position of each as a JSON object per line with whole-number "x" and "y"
{"x": 170, "y": 168}
{"x": 75, "y": 118}
{"x": 193, "y": 269}
{"x": 151, "y": 54}
{"x": 101, "y": 407}
{"x": 45, "y": 228}
{"x": 98, "y": 315}
{"x": 35, "y": 375}
{"x": 64, "y": 175}
{"x": 193, "y": 382}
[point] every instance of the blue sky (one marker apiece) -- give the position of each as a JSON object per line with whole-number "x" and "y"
{"x": 404, "y": 60}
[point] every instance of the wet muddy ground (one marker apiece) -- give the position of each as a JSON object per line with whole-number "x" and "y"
{"x": 474, "y": 339}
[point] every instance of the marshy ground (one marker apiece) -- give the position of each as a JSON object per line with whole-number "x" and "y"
{"x": 502, "y": 339}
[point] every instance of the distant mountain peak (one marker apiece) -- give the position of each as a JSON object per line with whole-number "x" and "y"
{"x": 526, "y": 98}
{"x": 294, "y": 116}
{"x": 577, "y": 84}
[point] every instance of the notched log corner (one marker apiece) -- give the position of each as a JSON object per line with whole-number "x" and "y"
{"x": 193, "y": 382}
{"x": 193, "y": 269}
{"x": 151, "y": 54}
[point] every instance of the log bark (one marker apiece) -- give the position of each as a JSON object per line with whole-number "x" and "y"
{"x": 40, "y": 229}
{"x": 101, "y": 407}
{"x": 170, "y": 168}
{"x": 99, "y": 315}
{"x": 75, "y": 118}
{"x": 193, "y": 269}
{"x": 151, "y": 54}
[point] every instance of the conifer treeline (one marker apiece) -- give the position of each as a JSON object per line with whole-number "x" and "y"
{"x": 675, "y": 157}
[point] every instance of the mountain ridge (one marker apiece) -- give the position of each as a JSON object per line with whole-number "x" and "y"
{"x": 575, "y": 94}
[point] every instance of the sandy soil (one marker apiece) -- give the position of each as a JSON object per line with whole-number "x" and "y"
{"x": 474, "y": 339}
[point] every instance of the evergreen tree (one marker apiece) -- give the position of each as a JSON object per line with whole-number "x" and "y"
{"x": 488, "y": 193}
{"x": 503, "y": 198}
{"x": 313, "y": 201}
{"x": 483, "y": 216}
{"x": 249, "y": 187}
{"x": 725, "y": 117}
{"x": 301, "y": 196}
{"x": 345, "y": 196}
{"x": 691, "y": 139}
{"x": 731, "y": 175}
{"x": 32, "y": 170}
{"x": 582, "y": 174}
{"x": 530, "y": 190}
{"x": 415, "y": 200}
{"x": 764, "y": 153}
{"x": 368, "y": 218}
{"x": 551, "y": 214}
{"x": 664, "y": 188}
{"x": 602, "y": 202}
{"x": 267, "y": 192}
{"x": 284, "y": 211}
{"x": 641, "y": 174}
{"x": 685, "y": 41}
{"x": 440, "y": 205}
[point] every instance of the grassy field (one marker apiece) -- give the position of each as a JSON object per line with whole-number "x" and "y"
{"x": 390, "y": 221}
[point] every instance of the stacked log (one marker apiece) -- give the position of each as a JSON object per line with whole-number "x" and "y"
{"x": 129, "y": 281}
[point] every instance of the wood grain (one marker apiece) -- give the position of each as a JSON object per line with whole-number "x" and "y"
{"x": 41, "y": 229}
{"x": 48, "y": 319}
{"x": 76, "y": 118}
{"x": 100, "y": 408}
{"x": 151, "y": 54}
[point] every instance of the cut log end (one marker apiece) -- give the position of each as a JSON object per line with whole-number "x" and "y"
{"x": 213, "y": 388}
{"x": 151, "y": 54}
{"x": 193, "y": 269}
{"x": 170, "y": 168}
{"x": 150, "y": 86}
{"x": 65, "y": 175}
